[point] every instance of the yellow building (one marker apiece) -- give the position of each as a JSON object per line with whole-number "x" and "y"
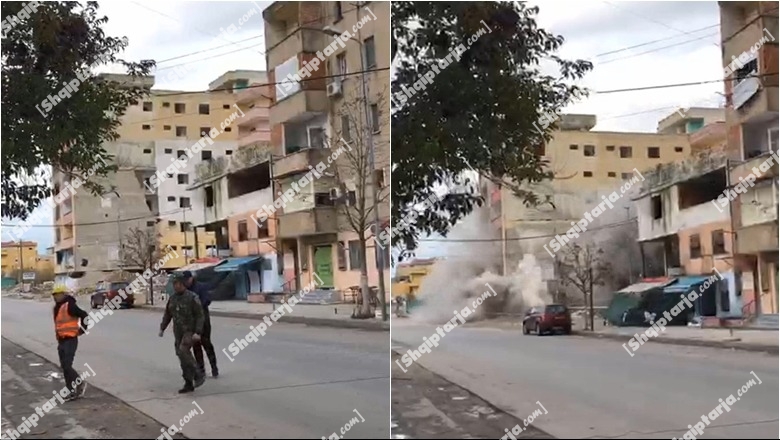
{"x": 19, "y": 256}
{"x": 409, "y": 277}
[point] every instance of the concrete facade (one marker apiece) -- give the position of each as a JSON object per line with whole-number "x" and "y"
{"x": 748, "y": 35}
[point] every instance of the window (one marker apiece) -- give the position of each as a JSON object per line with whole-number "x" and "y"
{"x": 625, "y": 176}
{"x": 209, "y": 190}
{"x": 146, "y": 127}
{"x": 588, "y": 173}
{"x": 147, "y": 106}
{"x": 368, "y": 43}
{"x": 183, "y": 179}
{"x": 185, "y": 226}
{"x": 610, "y": 148}
{"x": 203, "y": 109}
{"x": 180, "y": 153}
{"x": 262, "y": 230}
{"x": 375, "y": 117}
{"x": 147, "y": 151}
{"x": 243, "y": 233}
{"x": 166, "y": 104}
{"x": 337, "y": 14}
{"x": 611, "y": 174}
{"x": 379, "y": 175}
{"x": 718, "y": 242}
{"x": 589, "y": 150}
{"x": 316, "y": 137}
{"x": 626, "y": 152}
{"x": 678, "y": 149}
{"x": 168, "y": 151}
{"x": 204, "y": 131}
{"x": 228, "y": 152}
{"x": 654, "y": 152}
{"x": 181, "y": 131}
{"x": 341, "y": 255}
{"x": 166, "y": 127}
{"x": 205, "y": 155}
{"x": 171, "y": 223}
{"x": 574, "y": 147}
{"x": 695, "y": 246}
{"x": 657, "y": 207}
{"x": 352, "y": 198}
{"x": 772, "y": 139}
{"x": 354, "y": 255}
{"x": 305, "y": 259}
{"x": 169, "y": 175}
{"x": 225, "y": 106}
{"x": 341, "y": 65}
{"x": 228, "y": 129}
{"x": 150, "y": 224}
{"x": 171, "y": 198}
{"x": 345, "y": 133}
{"x": 184, "y": 202}
{"x": 382, "y": 255}
{"x": 179, "y": 107}
{"x": 323, "y": 199}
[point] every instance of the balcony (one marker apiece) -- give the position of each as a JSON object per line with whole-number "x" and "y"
{"x": 254, "y": 116}
{"x": 321, "y": 220}
{"x": 211, "y": 170}
{"x": 254, "y": 137}
{"x": 253, "y": 94}
{"x": 250, "y": 155}
{"x": 299, "y": 161}
{"x": 303, "y": 105}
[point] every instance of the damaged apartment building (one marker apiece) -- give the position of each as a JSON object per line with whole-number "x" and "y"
{"x": 91, "y": 231}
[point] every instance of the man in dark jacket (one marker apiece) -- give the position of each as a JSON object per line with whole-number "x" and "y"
{"x": 205, "y": 338}
{"x": 69, "y": 324}
{"x": 185, "y": 311}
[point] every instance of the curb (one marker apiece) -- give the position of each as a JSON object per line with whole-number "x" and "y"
{"x": 756, "y": 348}
{"x": 368, "y": 325}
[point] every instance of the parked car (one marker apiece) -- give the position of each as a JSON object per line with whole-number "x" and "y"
{"x": 105, "y": 292}
{"x": 548, "y": 319}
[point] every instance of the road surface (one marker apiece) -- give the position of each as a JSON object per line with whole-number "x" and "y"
{"x": 296, "y": 382}
{"x": 592, "y": 388}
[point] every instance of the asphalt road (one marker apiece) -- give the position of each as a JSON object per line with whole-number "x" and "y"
{"x": 296, "y": 382}
{"x": 593, "y": 389}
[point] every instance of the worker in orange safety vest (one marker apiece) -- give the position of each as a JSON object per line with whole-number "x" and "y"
{"x": 69, "y": 325}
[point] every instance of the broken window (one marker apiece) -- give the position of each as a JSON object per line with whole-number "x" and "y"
{"x": 249, "y": 180}
{"x": 589, "y": 150}
{"x": 695, "y": 246}
{"x": 184, "y": 179}
{"x": 654, "y": 152}
{"x": 262, "y": 230}
{"x": 243, "y": 233}
{"x": 209, "y": 196}
{"x": 718, "y": 242}
{"x": 701, "y": 189}
{"x": 184, "y": 202}
{"x": 147, "y": 106}
{"x": 657, "y": 207}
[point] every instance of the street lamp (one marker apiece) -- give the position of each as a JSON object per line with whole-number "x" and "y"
{"x": 330, "y": 30}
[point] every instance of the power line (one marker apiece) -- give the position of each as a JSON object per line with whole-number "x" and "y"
{"x": 657, "y": 49}
{"x": 209, "y": 50}
{"x": 666, "y": 86}
{"x": 111, "y": 222}
{"x": 491, "y": 240}
{"x": 649, "y": 42}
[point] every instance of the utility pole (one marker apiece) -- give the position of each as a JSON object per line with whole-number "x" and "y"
{"x": 151, "y": 282}
{"x": 119, "y": 238}
{"x": 185, "y": 228}
{"x": 630, "y": 249}
{"x": 590, "y": 296}
{"x": 372, "y": 164}
{"x": 21, "y": 262}
{"x": 503, "y": 229}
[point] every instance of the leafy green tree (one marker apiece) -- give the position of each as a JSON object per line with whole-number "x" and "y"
{"x": 480, "y": 112}
{"x": 44, "y": 124}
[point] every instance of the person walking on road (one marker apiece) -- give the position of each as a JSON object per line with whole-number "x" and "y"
{"x": 205, "y": 338}
{"x": 69, "y": 324}
{"x": 186, "y": 312}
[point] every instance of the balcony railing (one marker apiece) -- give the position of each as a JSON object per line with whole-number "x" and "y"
{"x": 250, "y": 155}
{"x": 211, "y": 168}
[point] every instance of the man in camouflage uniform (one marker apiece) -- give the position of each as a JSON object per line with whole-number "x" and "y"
{"x": 185, "y": 310}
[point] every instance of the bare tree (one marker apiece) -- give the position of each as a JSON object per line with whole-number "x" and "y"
{"x": 583, "y": 267}
{"x": 141, "y": 252}
{"x": 355, "y": 177}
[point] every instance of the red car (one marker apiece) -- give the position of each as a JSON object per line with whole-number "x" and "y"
{"x": 106, "y": 292}
{"x": 541, "y": 320}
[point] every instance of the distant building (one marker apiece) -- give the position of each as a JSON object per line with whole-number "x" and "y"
{"x": 410, "y": 275}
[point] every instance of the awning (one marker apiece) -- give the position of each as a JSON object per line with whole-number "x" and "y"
{"x": 685, "y": 284}
{"x": 231, "y": 264}
{"x": 199, "y": 266}
{"x": 646, "y": 285}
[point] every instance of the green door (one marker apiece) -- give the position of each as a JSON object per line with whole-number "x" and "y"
{"x": 323, "y": 264}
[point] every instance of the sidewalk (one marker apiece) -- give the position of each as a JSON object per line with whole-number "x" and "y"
{"x": 749, "y": 340}
{"x": 335, "y": 315}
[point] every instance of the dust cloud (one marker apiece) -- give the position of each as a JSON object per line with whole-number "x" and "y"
{"x": 466, "y": 270}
